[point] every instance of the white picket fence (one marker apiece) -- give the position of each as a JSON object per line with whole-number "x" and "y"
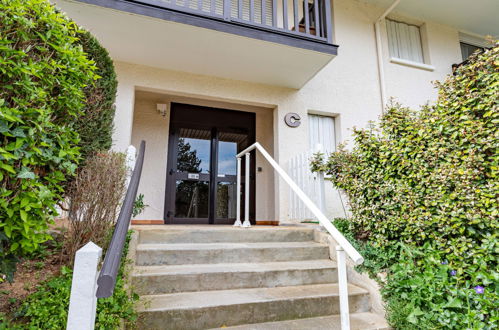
{"x": 312, "y": 184}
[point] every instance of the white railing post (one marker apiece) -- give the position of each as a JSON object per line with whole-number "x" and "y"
{"x": 131, "y": 154}
{"x": 343, "y": 288}
{"x": 246, "y": 223}
{"x": 322, "y": 191}
{"x": 83, "y": 301}
{"x": 238, "y": 222}
{"x": 320, "y": 181}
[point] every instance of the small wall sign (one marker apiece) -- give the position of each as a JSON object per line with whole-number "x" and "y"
{"x": 292, "y": 119}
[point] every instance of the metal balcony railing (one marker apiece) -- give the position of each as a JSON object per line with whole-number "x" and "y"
{"x": 306, "y": 19}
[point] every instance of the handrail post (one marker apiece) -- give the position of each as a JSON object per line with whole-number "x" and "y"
{"x": 238, "y": 222}
{"x": 343, "y": 288}
{"x": 82, "y": 301}
{"x": 246, "y": 223}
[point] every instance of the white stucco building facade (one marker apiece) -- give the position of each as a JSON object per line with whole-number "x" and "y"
{"x": 164, "y": 62}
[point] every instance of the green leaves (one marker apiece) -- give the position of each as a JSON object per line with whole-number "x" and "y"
{"x": 47, "y": 308}
{"x": 43, "y": 74}
{"x": 430, "y": 177}
{"x": 25, "y": 173}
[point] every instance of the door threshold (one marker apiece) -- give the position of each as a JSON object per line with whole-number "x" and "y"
{"x": 148, "y": 222}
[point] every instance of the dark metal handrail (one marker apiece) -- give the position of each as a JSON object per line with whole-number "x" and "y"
{"x": 111, "y": 265}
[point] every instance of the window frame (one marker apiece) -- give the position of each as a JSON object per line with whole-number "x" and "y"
{"x": 334, "y": 132}
{"x": 423, "y": 41}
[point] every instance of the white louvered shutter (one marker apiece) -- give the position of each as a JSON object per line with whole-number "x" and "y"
{"x": 404, "y": 41}
{"x": 257, "y": 12}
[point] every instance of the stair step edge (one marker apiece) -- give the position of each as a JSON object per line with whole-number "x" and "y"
{"x": 358, "y": 321}
{"x": 220, "y": 246}
{"x": 206, "y": 299}
{"x": 187, "y": 269}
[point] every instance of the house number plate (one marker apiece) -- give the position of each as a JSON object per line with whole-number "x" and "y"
{"x": 193, "y": 176}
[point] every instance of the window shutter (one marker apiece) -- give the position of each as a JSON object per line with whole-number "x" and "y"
{"x": 404, "y": 41}
{"x": 321, "y": 131}
{"x": 257, "y": 11}
{"x": 219, "y": 8}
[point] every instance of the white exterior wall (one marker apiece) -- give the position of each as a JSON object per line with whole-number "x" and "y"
{"x": 348, "y": 88}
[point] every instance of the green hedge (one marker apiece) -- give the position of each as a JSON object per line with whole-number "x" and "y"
{"x": 95, "y": 124}
{"x": 43, "y": 75}
{"x": 429, "y": 178}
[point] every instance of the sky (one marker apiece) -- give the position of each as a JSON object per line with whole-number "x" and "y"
{"x": 226, "y": 155}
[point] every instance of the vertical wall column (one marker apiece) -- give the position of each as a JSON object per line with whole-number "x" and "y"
{"x": 288, "y": 141}
{"x": 123, "y": 118}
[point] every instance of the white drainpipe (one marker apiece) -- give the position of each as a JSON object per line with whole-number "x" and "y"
{"x": 379, "y": 53}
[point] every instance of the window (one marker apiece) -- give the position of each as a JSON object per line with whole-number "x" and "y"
{"x": 404, "y": 41}
{"x": 321, "y": 130}
{"x": 467, "y": 50}
{"x": 470, "y": 44}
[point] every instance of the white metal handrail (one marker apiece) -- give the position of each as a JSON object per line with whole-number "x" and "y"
{"x": 343, "y": 244}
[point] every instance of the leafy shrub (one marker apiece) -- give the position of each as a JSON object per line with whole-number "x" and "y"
{"x": 43, "y": 74}
{"x": 422, "y": 290}
{"x": 431, "y": 175}
{"x": 139, "y": 205}
{"x": 95, "y": 124}
{"x": 376, "y": 259}
{"x": 94, "y": 200}
{"x": 48, "y": 307}
{"x": 428, "y": 180}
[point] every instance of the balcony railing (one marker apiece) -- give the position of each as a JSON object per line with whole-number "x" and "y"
{"x": 305, "y": 19}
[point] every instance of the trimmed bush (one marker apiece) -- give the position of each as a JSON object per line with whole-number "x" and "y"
{"x": 95, "y": 124}
{"x": 429, "y": 178}
{"x": 43, "y": 75}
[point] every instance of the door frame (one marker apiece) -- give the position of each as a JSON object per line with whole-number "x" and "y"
{"x": 215, "y": 120}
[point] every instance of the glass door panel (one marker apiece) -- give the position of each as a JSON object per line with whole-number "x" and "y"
{"x": 193, "y": 151}
{"x": 229, "y": 144}
{"x": 226, "y": 200}
{"x": 192, "y": 199}
{"x": 192, "y": 175}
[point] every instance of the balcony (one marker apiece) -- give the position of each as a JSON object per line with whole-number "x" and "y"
{"x": 276, "y": 42}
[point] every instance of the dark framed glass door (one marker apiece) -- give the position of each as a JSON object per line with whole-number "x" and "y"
{"x": 201, "y": 178}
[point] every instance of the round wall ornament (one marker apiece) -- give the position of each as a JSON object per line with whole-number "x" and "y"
{"x": 292, "y": 119}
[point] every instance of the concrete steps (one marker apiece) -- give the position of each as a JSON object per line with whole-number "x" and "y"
{"x": 222, "y": 234}
{"x": 187, "y": 278}
{"x": 358, "y": 321}
{"x": 208, "y": 309}
{"x": 214, "y": 253}
{"x": 202, "y": 277}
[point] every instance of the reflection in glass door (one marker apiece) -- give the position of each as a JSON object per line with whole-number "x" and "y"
{"x": 228, "y": 146}
{"x": 192, "y": 174}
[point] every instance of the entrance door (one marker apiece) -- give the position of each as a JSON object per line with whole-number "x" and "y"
{"x": 201, "y": 178}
